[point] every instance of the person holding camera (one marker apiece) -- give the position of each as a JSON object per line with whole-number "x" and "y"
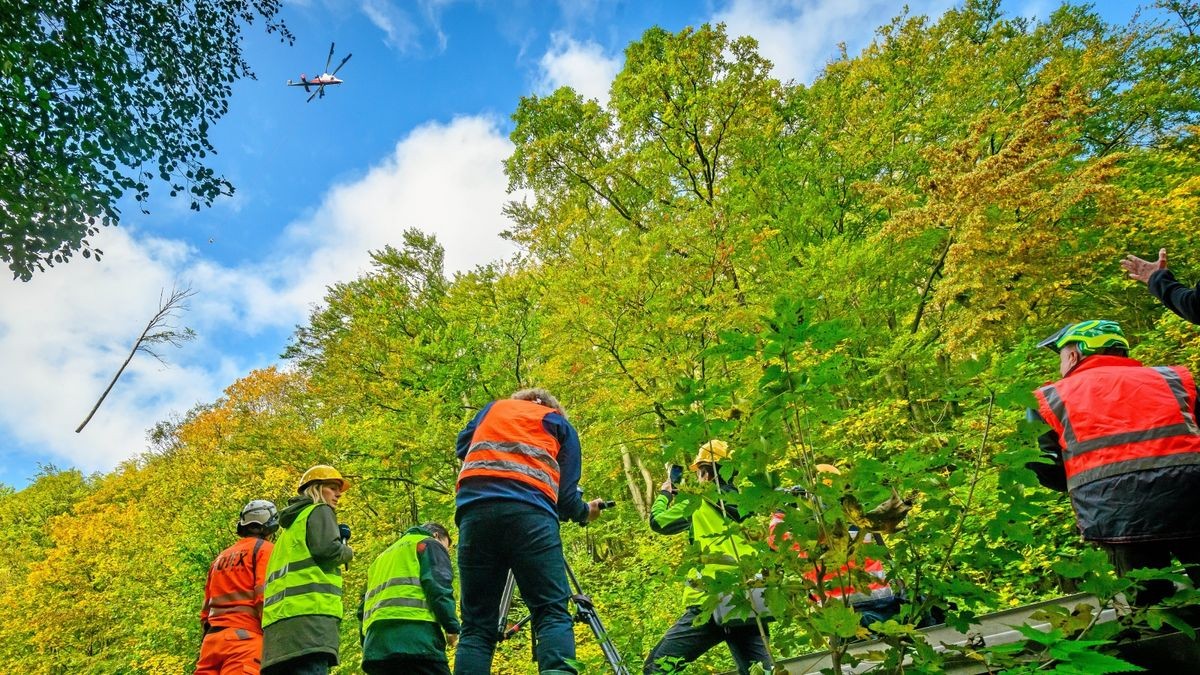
{"x": 519, "y": 478}
{"x": 231, "y": 617}
{"x": 303, "y": 603}
{"x": 708, "y": 523}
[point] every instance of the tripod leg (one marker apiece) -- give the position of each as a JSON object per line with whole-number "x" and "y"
{"x": 586, "y": 613}
{"x": 505, "y": 605}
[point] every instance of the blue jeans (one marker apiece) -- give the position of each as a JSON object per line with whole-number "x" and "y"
{"x": 494, "y": 537}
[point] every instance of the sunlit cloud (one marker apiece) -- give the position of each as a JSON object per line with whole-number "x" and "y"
{"x": 64, "y": 334}
{"x": 400, "y": 30}
{"x": 583, "y": 66}
{"x": 801, "y": 36}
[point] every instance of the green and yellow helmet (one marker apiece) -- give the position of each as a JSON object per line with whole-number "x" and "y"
{"x": 1091, "y": 336}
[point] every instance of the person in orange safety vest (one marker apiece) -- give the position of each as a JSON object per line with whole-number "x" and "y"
{"x": 1124, "y": 444}
{"x": 231, "y": 617}
{"x": 876, "y": 602}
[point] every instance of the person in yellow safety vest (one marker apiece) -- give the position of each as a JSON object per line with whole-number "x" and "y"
{"x": 303, "y": 603}
{"x": 408, "y": 604}
{"x": 708, "y": 524}
{"x": 231, "y": 617}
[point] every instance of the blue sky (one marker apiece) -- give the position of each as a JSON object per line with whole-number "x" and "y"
{"x": 414, "y": 138}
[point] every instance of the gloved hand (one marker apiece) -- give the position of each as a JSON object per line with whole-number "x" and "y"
{"x": 345, "y": 530}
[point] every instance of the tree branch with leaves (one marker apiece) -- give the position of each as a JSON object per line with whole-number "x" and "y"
{"x": 160, "y": 330}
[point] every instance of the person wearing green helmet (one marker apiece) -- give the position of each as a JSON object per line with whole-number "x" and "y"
{"x": 1173, "y": 295}
{"x": 1124, "y": 444}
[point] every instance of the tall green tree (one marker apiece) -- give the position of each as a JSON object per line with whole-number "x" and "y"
{"x": 104, "y": 99}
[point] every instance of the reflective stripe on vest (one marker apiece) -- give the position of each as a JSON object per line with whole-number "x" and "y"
{"x": 296, "y": 584}
{"x": 233, "y": 595}
{"x": 1160, "y": 432}
{"x": 511, "y": 443}
{"x": 394, "y": 583}
{"x": 877, "y": 589}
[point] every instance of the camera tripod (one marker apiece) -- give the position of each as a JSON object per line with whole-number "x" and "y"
{"x": 585, "y": 612}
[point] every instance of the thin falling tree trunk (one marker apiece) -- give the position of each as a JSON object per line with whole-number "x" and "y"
{"x": 113, "y": 381}
{"x": 150, "y": 336}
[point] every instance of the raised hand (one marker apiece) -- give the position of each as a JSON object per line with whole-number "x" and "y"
{"x": 1142, "y": 269}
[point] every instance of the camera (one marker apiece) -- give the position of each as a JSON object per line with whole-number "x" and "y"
{"x": 676, "y": 474}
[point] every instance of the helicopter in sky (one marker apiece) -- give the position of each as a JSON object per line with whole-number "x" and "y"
{"x": 325, "y": 79}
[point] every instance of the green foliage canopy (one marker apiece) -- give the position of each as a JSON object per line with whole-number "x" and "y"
{"x": 103, "y": 99}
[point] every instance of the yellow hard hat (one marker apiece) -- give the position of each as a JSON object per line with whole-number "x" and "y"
{"x": 321, "y": 472}
{"x": 712, "y": 452}
{"x": 827, "y": 468}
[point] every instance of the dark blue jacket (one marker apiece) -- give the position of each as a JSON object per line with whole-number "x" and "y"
{"x": 480, "y": 489}
{"x": 1178, "y": 298}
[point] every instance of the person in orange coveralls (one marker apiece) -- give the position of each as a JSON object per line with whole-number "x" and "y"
{"x": 233, "y": 596}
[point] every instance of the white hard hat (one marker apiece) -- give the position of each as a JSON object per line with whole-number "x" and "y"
{"x": 260, "y": 512}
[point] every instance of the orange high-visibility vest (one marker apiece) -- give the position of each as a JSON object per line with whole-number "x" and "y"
{"x": 877, "y": 589}
{"x": 233, "y": 594}
{"x": 1114, "y": 416}
{"x": 511, "y": 443}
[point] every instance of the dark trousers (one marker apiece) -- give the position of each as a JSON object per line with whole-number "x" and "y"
{"x": 309, "y": 664}
{"x": 1155, "y": 555}
{"x": 685, "y": 642}
{"x": 406, "y": 666}
{"x": 493, "y": 538}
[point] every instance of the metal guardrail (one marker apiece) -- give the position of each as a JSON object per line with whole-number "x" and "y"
{"x": 991, "y": 629}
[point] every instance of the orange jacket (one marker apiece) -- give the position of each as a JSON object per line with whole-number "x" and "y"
{"x": 233, "y": 594}
{"x": 1113, "y": 416}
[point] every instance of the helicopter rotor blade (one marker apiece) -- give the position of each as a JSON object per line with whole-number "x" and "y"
{"x": 335, "y": 70}
{"x": 314, "y": 94}
{"x": 330, "y": 58}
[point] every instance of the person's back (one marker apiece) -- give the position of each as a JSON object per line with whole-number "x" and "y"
{"x": 233, "y": 596}
{"x": 407, "y": 613}
{"x": 1131, "y": 444}
{"x": 1124, "y": 444}
{"x": 519, "y": 478}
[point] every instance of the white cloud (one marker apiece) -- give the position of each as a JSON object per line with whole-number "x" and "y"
{"x": 433, "y": 14}
{"x": 801, "y": 36}
{"x": 400, "y": 30}
{"x": 583, "y": 66}
{"x": 446, "y": 179}
{"x": 64, "y": 334}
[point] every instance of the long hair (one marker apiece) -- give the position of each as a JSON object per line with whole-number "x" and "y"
{"x": 313, "y": 492}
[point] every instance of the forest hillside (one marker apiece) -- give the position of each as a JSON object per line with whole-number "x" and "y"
{"x": 853, "y": 271}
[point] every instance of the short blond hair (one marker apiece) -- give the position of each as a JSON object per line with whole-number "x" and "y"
{"x": 541, "y": 397}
